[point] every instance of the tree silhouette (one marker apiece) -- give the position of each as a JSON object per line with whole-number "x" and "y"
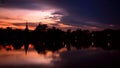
{"x": 44, "y": 38}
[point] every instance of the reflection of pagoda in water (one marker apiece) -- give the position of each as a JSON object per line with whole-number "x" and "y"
{"x": 40, "y": 27}
{"x": 26, "y": 38}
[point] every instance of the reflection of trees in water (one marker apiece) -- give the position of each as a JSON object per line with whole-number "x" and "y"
{"x": 44, "y": 38}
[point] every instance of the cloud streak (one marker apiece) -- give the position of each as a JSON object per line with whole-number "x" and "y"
{"x": 9, "y": 18}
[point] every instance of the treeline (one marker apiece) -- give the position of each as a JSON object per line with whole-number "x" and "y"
{"x": 44, "y": 38}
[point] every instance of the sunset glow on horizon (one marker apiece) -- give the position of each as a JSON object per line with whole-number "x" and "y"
{"x": 10, "y": 16}
{"x": 58, "y": 13}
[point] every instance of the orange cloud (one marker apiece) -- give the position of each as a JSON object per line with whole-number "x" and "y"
{"x": 8, "y": 17}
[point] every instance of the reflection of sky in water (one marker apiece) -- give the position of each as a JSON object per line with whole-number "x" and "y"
{"x": 62, "y": 58}
{"x": 18, "y": 57}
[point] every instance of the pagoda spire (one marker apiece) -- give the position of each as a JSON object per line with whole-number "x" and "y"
{"x": 26, "y": 38}
{"x": 26, "y": 28}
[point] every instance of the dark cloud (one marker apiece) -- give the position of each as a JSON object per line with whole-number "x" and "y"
{"x": 87, "y": 24}
{"x": 23, "y": 24}
{"x": 59, "y": 13}
{"x": 24, "y": 4}
{"x": 104, "y": 11}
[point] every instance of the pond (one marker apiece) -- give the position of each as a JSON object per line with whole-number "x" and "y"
{"x": 75, "y": 58}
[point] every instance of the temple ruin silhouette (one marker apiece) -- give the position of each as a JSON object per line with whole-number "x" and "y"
{"x": 44, "y": 38}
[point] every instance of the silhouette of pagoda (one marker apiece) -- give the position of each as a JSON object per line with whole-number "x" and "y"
{"x": 26, "y": 28}
{"x": 26, "y": 38}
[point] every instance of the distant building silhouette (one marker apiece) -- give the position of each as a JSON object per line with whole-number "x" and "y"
{"x": 41, "y": 27}
{"x": 26, "y": 38}
{"x": 26, "y": 28}
{"x": 44, "y": 38}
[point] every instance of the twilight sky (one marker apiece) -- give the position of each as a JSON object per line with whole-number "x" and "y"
{"x": 84, "y": 14}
